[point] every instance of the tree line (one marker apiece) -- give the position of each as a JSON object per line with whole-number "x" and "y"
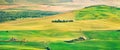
{"x": 13, "y": 15}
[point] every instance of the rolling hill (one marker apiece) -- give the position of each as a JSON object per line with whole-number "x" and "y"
{"x": 98, "y": 12}
{"x": 39, "y": 39}
{"x": 99, "y": 40}
{"x": 102, "y": 32}
{"x": 108, "y": 20}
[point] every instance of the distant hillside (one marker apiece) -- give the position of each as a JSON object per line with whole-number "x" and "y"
{"x": 97, "y": 12}
{"x": 31, "y": 1}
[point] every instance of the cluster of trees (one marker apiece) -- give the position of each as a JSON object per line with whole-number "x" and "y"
{"x": 13, "y": 15}
{"x": 61, "y": 21}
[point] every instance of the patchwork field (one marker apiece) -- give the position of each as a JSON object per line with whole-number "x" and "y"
{"x": 98, "y": 24}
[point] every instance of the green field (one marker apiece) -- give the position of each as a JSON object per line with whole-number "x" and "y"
{"x": 99, "y": 24}
{"x": 35, "y": 38}
{"x": 32, "y": 35}
{"x": 87, "y": 45}
{"x": 22, "y": 46}
{"x": 96, "y": 40}
{"x": 98, "y": 12}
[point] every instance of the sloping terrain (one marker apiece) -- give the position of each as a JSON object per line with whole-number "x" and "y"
{"x": 38, "y": 33}
{"x": 33, "y": 39}
{"x": 101, "y": 22}
{"x": 98, "y": 12}
{"x": 54, "y": 39}
{"x": 98, "y": 40}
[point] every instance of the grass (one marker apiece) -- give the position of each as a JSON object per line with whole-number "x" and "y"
{"x": 107, "y": 22}
{"x": 35, "y": 39}
{"x": 37, "y": 35}
{"x": 87, "y": 45}
{"x": 22, "y": 46}
{"x": 102, "y": 40}
{"x": 104, "y": 35}
{"x": 39, "y": 30}
{"x": 98, "y": 12}
{"x": 45, "y": 24}
{"x": 96, "y": 40}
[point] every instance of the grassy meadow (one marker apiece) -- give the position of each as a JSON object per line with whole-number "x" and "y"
{"x": 96, "y": 40}
{"x": 99, "y": 24}
{"x": 98, "y": 12}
